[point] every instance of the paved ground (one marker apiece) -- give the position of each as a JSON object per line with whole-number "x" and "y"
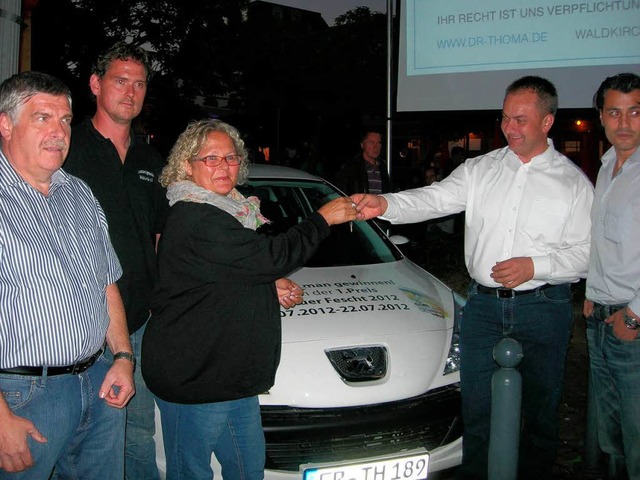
{"x": 442, "y": 255}
{"x": 570, "y": 464}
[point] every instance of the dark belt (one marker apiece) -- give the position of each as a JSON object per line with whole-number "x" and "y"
{"x": 502, "y": 292}
{"x": 52, "y": 371}
{"x": 602, "y": 312}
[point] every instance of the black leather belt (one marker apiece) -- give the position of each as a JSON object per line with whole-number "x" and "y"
{"x": 52, "y": 371}
{"x": 502, "y": 292}
{"x": 602, "y": 312}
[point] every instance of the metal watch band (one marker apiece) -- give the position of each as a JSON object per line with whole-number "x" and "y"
{"x": 125, "y": 355}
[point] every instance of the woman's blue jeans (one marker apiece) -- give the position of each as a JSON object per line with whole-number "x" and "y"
{"x": 615, "y": 383}
{"x": 231, "y": 430}
{"x": 85, "y": 436}
{"x": 542, "y": 323}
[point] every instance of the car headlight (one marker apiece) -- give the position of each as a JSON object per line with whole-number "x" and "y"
{"x": 453, "y": 359}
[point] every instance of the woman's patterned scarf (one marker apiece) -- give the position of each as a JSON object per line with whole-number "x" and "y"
{"x": 245, "y": 210}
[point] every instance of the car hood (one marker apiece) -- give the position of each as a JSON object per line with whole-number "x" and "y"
{"x": 396, "y": 306}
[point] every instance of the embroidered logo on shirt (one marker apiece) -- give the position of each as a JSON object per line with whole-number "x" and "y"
{"x": 146, "y": 176}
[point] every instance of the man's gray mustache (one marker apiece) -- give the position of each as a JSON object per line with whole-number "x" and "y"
{"x": 55, "y": 144}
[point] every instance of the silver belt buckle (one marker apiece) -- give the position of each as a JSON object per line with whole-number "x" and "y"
{"x": 505, "y": 292}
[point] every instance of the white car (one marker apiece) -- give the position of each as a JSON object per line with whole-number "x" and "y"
{"x": 368, "y": 383}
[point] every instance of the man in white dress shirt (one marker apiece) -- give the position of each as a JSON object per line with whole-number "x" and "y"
{"x": 527, "y": 234}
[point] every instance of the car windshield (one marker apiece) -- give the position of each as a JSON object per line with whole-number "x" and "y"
{"x": 287, "y": 202}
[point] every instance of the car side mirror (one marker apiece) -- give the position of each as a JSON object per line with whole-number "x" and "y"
{"x": 399, "y": 239}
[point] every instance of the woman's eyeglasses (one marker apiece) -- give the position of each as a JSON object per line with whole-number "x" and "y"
{"x": 216, "y": 160}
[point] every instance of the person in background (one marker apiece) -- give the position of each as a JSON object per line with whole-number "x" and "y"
{"x": 612, "y": 304}
{"x": 457, "y": 158}
{"x": 527, "y": 235}
{"x": 430, "y": 176}
{"x": 366, "y": 172}
{"x": 441, "y": 225}
{"x": 312, "y": 160}
{"x": 122, "y": 171}
{"x": 59, "y": 302}
{"x": 213, "y": 342}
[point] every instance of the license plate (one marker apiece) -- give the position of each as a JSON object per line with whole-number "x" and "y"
{"x": 406, "y": 467}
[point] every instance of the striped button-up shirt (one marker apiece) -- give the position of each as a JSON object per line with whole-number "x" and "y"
{"x": 56, "y": 261}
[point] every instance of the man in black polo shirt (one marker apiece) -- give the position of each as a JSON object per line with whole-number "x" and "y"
{"x": 123, "y": 173}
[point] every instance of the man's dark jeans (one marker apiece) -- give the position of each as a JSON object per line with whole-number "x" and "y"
{"x": 615, "y": 384}
{"x": 542, "y": 323}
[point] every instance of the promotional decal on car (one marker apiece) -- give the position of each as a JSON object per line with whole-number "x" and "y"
{"x": 362, "y": 296}
{"x": 424, "y": 303}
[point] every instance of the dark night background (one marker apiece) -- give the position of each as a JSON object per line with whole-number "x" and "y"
{"x": 286, "y": 79}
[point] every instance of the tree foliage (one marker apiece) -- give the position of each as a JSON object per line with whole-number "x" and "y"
{"x": 282, "y": 81}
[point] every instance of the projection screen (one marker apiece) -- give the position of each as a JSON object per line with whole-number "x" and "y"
{"x": 461, "y": 54}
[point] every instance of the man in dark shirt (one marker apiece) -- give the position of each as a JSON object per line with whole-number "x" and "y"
{"x": 366, "y": 172}
{"x": 123, "y": 171}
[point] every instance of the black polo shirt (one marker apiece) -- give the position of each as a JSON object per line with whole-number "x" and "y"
{"x": 134, "y": 203}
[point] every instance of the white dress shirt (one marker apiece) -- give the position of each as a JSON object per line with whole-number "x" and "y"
{"x": 614, "y": 269}
{"x": 540, "y": 209}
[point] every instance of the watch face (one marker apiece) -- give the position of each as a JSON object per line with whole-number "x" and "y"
{"x": 630, "y": 322}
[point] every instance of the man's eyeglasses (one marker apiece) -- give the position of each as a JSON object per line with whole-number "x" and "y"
{"x": 216, "y": 160}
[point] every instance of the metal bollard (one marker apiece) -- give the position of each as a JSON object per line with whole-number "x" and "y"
{"x": 506, "y": 400}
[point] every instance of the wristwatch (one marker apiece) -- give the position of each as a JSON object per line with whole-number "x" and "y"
{"x": 630, "y": 322}
{"x": 126, "y": 356}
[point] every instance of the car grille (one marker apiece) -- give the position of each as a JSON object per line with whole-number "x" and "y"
{"x": 297, "y": 436}
{"x": 359, "y": 364}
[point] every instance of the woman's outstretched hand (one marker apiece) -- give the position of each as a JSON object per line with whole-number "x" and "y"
{"x": 339, "y": 210}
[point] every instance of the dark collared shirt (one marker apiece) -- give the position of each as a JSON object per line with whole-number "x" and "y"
{"x": 134, "y": 203}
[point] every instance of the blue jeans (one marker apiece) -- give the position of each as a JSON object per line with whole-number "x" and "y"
{"x": 85, "y": 436}
{"x": 232, "y": 430}
{"x": 615, "y": 383}
{"x": 542, "y": 323}
{"x": 140, "y": 448}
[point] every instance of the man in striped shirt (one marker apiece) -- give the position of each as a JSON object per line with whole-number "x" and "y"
{"x": 366, "y": 172}
{"x": 61, "y": 401}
